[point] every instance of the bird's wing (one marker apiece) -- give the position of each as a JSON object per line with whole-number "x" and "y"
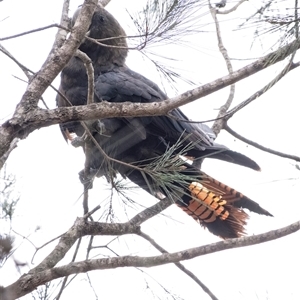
{"x": 122, "y": 84}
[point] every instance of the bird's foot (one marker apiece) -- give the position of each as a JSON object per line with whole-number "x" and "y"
{"x": 99, "y": 127}
{"x": 77, "y": 141}
{"x": 87, "y": 179}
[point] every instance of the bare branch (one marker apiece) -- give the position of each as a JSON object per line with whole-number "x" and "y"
{"x": 263, "y": 90}
{"x": 23, "y": 68}
{"x": 228, "y": 11}
{"x": 258, "y": 146}
{"x": 45, "y": 244}
{"x": 85, "y": 202}
{"x": 90, "y": 73}
{"x": 65, "y": 26}
{"x": 26, "y": 70}
{"x": 150, "y": 212}
{"x": 219, "y": 124}
{"x": 28, "y": 282}
{"x": 52, "y": 66}
{"x": 79, "y": 229}
{"x": 24, "y": 121}
{"x": 82, "y": 228}
{"x": 179, "y": 265}
{"x": 87, "y": 215}
{"x": 5, "y": 156}
{"x": 32, "y": 31}
{"x": 63, "y": 285}
{"x": 104, "y": 2}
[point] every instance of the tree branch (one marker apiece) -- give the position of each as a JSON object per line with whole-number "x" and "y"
{"x": 90, "y": 74}
{"x": 228, "y": 11}
{"x": 64, "y": 28}
{"x": 32, "y": 31}
{"x": 219, "y": 124}
{"x": 179, "y": 266}
{"x": 21, "y": 66}
{"x": 258, "y": 146}
{"x": 104, "y": 2}
{"x": 261, "y": 91}
{"x": 28, "y": 117}
{"x": 50, "y": 69}
{"x": 151, "y": 211}
{"x": 5, "y": 156}
{"x": 30, "y": 281}
{"x": 82, "y": 228}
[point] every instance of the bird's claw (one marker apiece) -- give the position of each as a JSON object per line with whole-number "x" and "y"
{"x": 77, "y": 141}
{"x": 87, "y": 179}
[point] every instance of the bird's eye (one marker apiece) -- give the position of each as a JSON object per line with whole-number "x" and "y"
{"x": 100, "y": 18}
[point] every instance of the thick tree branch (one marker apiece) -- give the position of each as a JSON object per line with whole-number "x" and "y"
{"x": 26, "y": 119}
{"x": 104, "y": 2}
{"x": 51, "y": 68}
{"x": 5, "y": 156}
{"x": 65, "y": 26}
{"x": 29, "y": 282}
{"x": 82, "y": 228}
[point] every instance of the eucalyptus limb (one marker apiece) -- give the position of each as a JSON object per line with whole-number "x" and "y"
{"x": 28, "y": 282}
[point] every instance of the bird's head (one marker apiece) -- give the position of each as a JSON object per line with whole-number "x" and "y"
{"x": 111, "y": 38}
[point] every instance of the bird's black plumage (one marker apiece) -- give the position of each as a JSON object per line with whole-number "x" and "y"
{"x": 140, "y": 141}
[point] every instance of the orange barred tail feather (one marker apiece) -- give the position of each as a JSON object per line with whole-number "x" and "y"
{"x": 232, "y": 196}
{"x": 214, "y": 213}
{"x": 219, "y": 207}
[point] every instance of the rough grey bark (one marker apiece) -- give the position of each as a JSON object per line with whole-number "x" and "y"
{"x": 28, "y": 117}
{"x": 57, "y": 59}
{"x": 41, "y": 275}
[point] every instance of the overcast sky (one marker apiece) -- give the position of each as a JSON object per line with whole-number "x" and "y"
{"x": 47, "y": 168}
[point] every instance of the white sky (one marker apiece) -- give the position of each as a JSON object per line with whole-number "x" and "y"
{"x": 46, "y": 169}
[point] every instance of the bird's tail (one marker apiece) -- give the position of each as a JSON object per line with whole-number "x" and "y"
{"x": 218, "y": 207}
{"x": 220, "y": 152}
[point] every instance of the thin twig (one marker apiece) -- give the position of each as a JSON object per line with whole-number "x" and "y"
{"x": 138, "y": 47}
{"x": 21, "y": 66}
{"x": 179, "y": 265}
{"x": 28, "y": 282}
{"x": 263, "y": 90}
{"x": 47, "y": 243}
{"x": 151, "y": 211}
{"x": 228, "y": 11}
{"x": 219, "y": 124}
{"x": 90, "y": 74}
{"x": 87, "y": 215}
{"x": 66, "y": 278}
{"x": 258, "y": 146}
{"x": 91, "y": 286}
{"x": 32, "y": 31}
{"x": 85, "y": 195}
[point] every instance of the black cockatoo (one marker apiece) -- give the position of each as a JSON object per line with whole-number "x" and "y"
{"x": 142, "y": 141}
